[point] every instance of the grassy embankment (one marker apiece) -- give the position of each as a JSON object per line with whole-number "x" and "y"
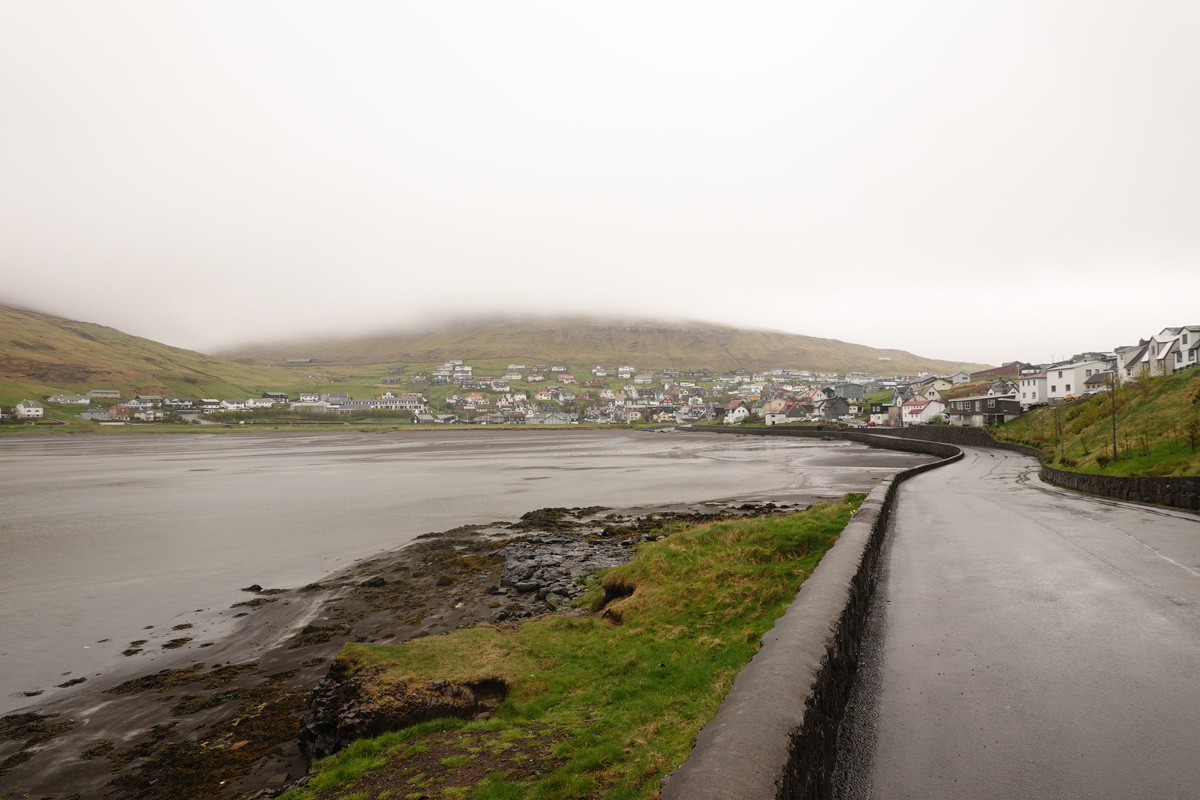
{"x": 602, "y": 704}
{"x": 1158, "y": 429}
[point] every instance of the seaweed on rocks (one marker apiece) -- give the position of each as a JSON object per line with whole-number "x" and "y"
{"x": 31, "y": 729}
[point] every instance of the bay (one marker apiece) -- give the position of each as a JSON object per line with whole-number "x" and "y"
{"x": 104, "y": 542}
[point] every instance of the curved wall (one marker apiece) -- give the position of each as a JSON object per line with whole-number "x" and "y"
{"x": 775, "y": 734}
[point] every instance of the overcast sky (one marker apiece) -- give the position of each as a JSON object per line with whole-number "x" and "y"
{"x": 978, "y": 181}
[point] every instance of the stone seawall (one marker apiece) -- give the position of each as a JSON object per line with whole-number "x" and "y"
{"x": 775, "y": 734}
{"x": 1176, "y": 492}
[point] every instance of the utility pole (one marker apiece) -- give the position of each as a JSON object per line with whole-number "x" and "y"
{"x": 1112, "y": 389}
{"x": 1058, "y": 420}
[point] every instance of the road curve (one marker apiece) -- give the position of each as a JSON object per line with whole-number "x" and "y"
{"x": 1027, "y": 642}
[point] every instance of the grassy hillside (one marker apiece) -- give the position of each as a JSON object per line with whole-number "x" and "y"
{"x": 582, "y": 342}
{"x": 1158, "y": 429}
{"x": 41, "y": 354}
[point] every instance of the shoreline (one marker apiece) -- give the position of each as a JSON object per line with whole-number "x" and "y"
{"x": 271, "y": 509}
{"x": 262, "y": 671}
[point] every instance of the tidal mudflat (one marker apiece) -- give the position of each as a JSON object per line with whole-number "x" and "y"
{"x": 141, "y": 546}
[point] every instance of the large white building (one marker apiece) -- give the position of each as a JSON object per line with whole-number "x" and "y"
{"x": 1066, "y": 380}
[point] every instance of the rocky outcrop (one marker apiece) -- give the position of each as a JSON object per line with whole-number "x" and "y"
{"x": 548, "y": 568}
{"x": 345, "y": 707}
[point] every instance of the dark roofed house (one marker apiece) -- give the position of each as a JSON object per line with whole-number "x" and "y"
{"x": 1098, "y": 382}
{"x": 983, "y": 411}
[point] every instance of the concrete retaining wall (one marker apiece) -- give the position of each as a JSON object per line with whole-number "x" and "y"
{"x": 775, "y": 735}
{"x": 1178, "y": 492}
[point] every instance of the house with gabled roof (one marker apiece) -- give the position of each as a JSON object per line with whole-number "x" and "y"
{"x": 29, "y": 409}
{"x": 1099, "y": 382}
{"x": 735, "y": 412}
{"x": 1173, "y": 349}
{"x": 922, "y": 411}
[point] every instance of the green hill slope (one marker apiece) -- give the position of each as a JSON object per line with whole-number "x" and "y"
{"x": 584, "y": 342}
{"x": 41, "y": 354}
{"x": 1157, "y": 431}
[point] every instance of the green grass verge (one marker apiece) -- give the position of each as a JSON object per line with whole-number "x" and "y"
{"x": 601, "y": 704}
{"x": 1158, "y": 429}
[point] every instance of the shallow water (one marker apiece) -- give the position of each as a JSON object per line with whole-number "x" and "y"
{"x": 104, "y": 538}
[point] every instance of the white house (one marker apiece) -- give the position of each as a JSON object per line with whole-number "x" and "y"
{"x": 922, "y": 412}
{"x": 1174, "y": 349}
{"x": 1130, "y": 360}
{"x": 29, "y": 409}
{"x": 1066, "y": 380}
{"x": 69, "y": 399}
{"x": 1032, "y": 390}
{"x": 736, "y": 412}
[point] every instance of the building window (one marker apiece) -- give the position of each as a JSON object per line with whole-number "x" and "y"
{"x": 991, "y": 403}
{"x": 1067, "y": 388}
{"x": 1053, "y": 389}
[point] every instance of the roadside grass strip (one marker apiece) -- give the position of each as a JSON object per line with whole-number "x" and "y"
{"x": 604, "y": 701}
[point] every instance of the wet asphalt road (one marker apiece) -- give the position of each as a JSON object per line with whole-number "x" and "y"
{"x": 1027, "y": 642}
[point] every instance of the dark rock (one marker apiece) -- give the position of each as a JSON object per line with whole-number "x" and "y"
{"x": 374, "y": 583}
{"x": 254, "y": 587}
{"x": 343, "y": 709}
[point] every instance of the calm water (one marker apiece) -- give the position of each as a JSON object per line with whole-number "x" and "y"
{"x": 101, "y": 538}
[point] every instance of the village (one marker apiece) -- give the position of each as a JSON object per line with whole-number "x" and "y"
{"x": 553, "y": 394}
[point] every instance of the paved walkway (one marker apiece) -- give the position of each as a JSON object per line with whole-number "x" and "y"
{"x": 1028, "y": 642}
